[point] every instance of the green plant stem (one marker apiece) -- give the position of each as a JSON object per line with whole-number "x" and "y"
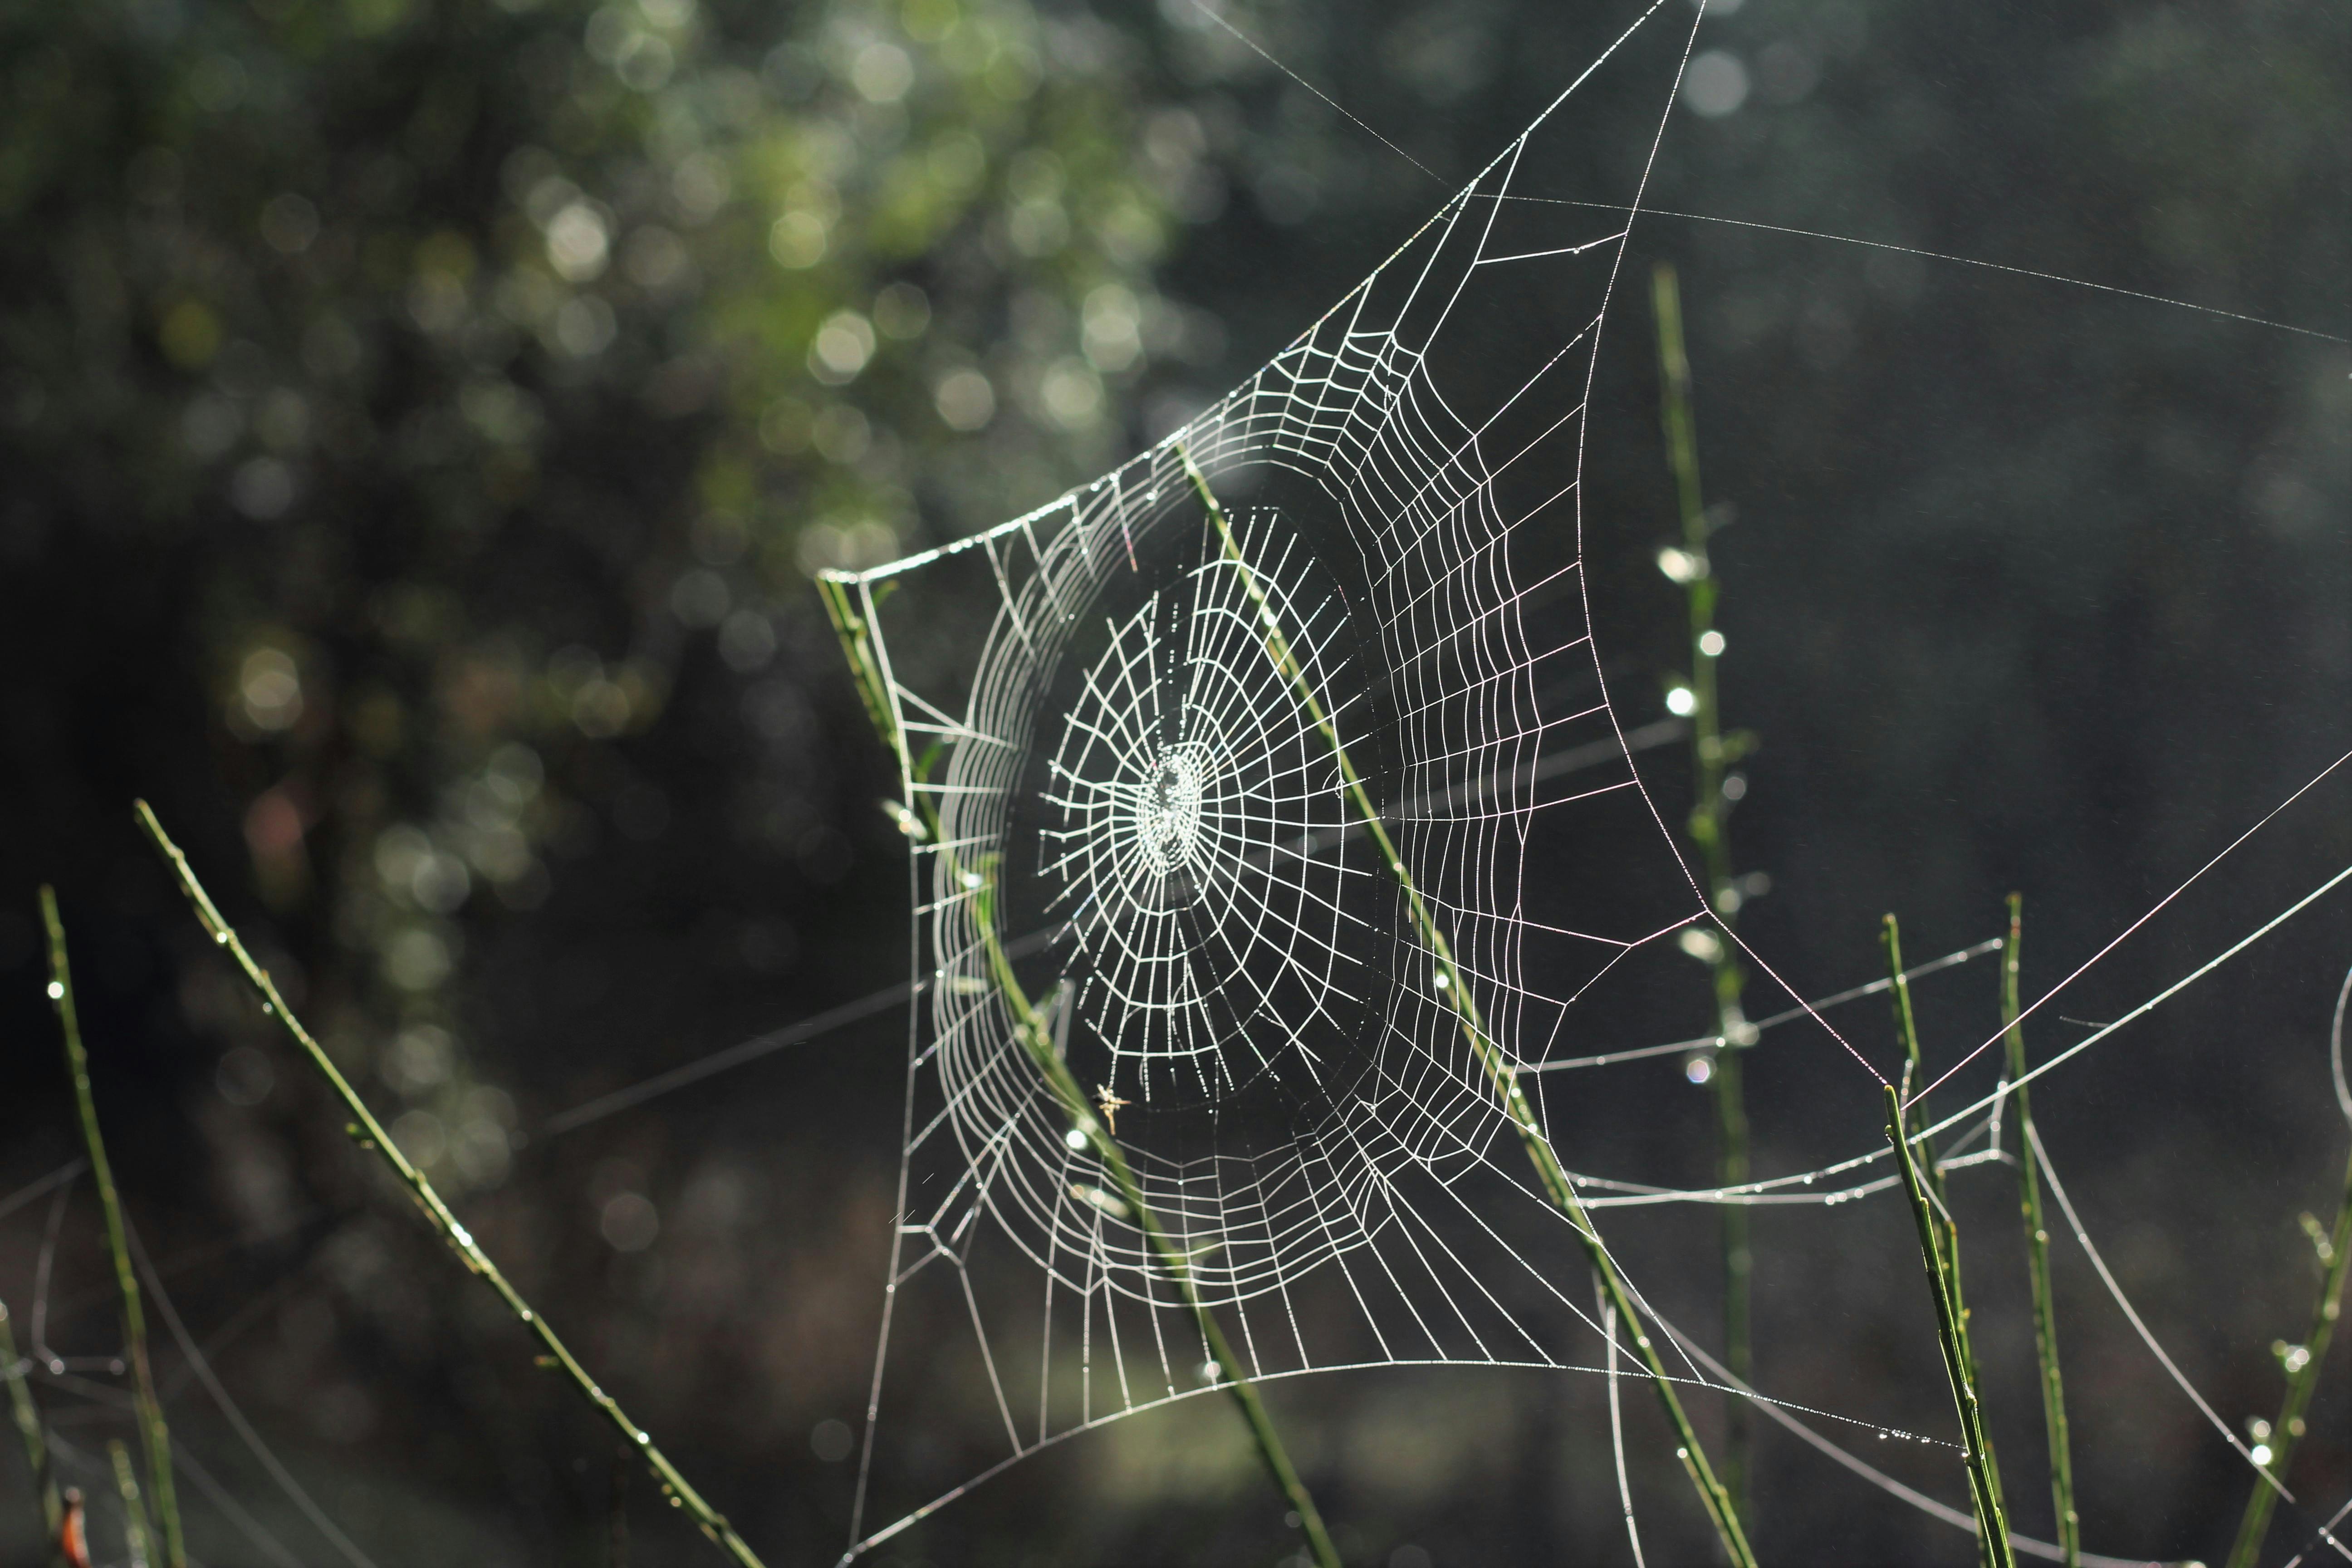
{"x": 364, "y": 1129}
{"x": 2037, "y": 1256}
{"x": 1036, "y": 1038}
{"x": 1709, "y": 830}
{"x": 1984, "y": 1488}
{"x": 1035, "y": 1035}
{"x": 2334, "y": 1251}
{"x": 1907, "y": 1027}
{"x": 135, "y": 1512}
{"x": 28, "y": 1411}
{"x": 153, "y": 1430}
{"x": 858, "y": 647}
{"x": 1447, "y": 978}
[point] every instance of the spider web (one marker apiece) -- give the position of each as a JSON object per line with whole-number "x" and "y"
{"x": 1226, "y": 963}
{"x": 1161, "y": 805}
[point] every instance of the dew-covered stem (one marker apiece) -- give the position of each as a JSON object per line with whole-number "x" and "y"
{"x": 369, "y": 1134}
{"x": 1984, "y": 1488}
{"x": 2037, "y": 1256}
{"x": 1947, "y": 1264}
{"x": 153, "y": 1433}
{"x": 1709, "y": 829}
{"x": 2301, "y": 1364}
{"x": 1036, "y": 1037}
{"x": 1447, "y": 978}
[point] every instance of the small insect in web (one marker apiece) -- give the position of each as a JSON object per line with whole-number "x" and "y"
{"x": 1110, "y": 1105}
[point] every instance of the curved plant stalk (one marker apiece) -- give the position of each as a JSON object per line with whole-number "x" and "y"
{"x": 1711, "y": 753}
{"x": 156, "y": 1436}
{"x": 1036, "y": 1037}
{"x": 2301, "y": 1363}
{"x": 369, "y": 1134}
{"x": 28, "y": 1411}
{"x": 1500, "y": 1074}
{"x": 1984, "y": 1487}
{"x": 2037, "y": 1257}
{"x": 1947, "y": 1267}
{"x": 1035, "y": 1033}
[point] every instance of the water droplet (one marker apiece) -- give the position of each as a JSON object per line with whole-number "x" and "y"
{"x": 57, "y": 992}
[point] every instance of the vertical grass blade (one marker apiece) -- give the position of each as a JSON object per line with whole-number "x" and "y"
{"x": 369, "y": 1134}
{"x": 28, "y": 1411}
{"x": 1984, "y": 1491}
{"x": 1710, "y": 832}
{"x": 2037, "y": 1256}
{"x": 2301, "y": 1363}
{"x": 1947, "y": 1263}
{"x": 1035, "y": 1035}
{"x": 1501, "y": 1075}
{"x": 153, "y": 1433}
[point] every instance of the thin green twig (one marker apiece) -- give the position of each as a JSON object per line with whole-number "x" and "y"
{"x": 2301, "y": 1363}
{"x": 2037, "y": 1256}
{"x": 1984, "y": 1490}
{"x": 365, "y": 1130}
{"x": 858, "y": 647}
{"x": 1501, "y": 1075}
{"x": 1711, "y": 753}
{"x": 29, "y": 1427}
{"x": 1907, "y": 1027}
{"x": 134, "y": 1510}
{"x": 156, "y": 1436}
{"x": 1036, "y": 1038}
{"x": 1035, "y": 1034}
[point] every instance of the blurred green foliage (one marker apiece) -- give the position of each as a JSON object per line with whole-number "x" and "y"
{"x": 494, "y": 354}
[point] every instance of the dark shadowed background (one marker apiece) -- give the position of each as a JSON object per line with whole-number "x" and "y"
{"x": 420, "y": 421}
